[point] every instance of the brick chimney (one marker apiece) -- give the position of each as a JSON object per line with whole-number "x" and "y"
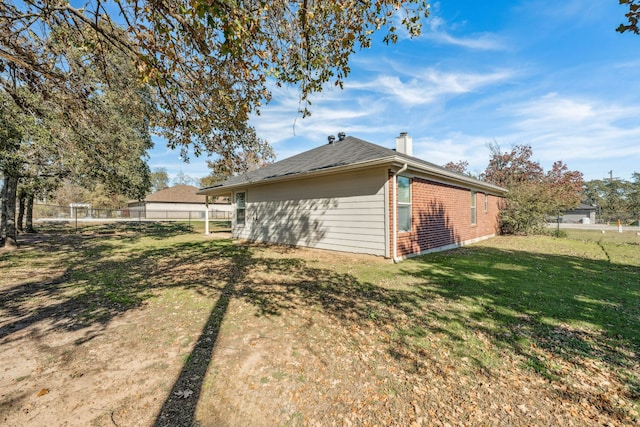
{"x": 404, "y": 144}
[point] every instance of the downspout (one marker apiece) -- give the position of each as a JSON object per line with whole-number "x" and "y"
{"x": 394, "y": 227}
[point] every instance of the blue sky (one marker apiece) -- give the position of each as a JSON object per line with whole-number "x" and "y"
{"x": 553, "y": 75}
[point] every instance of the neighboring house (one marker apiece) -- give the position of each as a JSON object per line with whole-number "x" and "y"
{"x": 177, "y": 202}
{"x": 354, "y": 196}
{"x": 583, "y": 214}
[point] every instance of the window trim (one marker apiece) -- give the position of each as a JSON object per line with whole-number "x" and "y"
{"x": 238, "y": 209}
{"x": 408, "y": 205}
{"x": 486, "y": 203}
{"x": 474, "y": 218}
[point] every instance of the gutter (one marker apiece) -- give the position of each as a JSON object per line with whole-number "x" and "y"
{"x": 301, "y": 175}
{"x": 450, "y": 177}
{"x": 394, "y": 227}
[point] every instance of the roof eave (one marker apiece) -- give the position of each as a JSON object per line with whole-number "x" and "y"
{"x": 389, "y": 160}
{"x": 223, "y": 189}
{"x": 448, "y": 176}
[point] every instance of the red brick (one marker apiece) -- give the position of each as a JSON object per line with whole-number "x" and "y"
{"x": 441, "y": 216}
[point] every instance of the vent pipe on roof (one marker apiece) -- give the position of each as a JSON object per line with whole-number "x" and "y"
{"x": 331, "y": 138}
{"x": 404, "y": 144}
{"x": 341, "y": 136}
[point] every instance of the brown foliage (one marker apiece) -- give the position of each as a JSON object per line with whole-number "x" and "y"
{"x": 632, "y": 16}
{"x": 208, "y": 62}
{"x": 533, "y": 194}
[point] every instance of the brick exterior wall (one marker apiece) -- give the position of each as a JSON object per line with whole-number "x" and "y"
{"x": 441, "y": 216}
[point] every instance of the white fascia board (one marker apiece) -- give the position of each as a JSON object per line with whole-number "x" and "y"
{"x": 297, "y": 176}
{"x": 447, "y": 177}
{"x": 395, "y": 161}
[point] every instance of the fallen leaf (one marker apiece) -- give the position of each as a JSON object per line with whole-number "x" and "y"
{"x": 43, "y": 392}
{"x": 184, "y": 393}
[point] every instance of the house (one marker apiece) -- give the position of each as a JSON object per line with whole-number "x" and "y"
{"x": 178, "y": 202}
{"x": 354, "y": 196}
{"x": 583, "y": 214}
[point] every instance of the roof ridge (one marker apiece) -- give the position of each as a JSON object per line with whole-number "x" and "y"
{"x": 335, "y": 154}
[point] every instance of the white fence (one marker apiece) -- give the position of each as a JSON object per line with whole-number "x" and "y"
{"x": 80, "y": 213}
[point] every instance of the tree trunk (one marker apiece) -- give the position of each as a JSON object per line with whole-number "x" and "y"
{"x": 21, "y": 203}
{"x": 8, "y": 232}
{"x": 3, "y": 216}
{"x": 29, "y": 225}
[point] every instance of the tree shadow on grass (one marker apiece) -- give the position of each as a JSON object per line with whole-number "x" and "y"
{"x": 539, "y": 295}
{"x": 130, "y": 230}
{"x": 92, "y": 282}
{"x": 515, "y": 298}
{"x": 544, "y": 308}
{"x": 180, "y": 405}
{"x": 90, "y": 279}
{"x": 96, "y": 281}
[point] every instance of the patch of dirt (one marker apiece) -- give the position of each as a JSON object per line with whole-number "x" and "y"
{"x": 115, "y": 374}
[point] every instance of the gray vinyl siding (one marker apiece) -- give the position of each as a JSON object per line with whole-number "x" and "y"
{"x": 343, "y": 212}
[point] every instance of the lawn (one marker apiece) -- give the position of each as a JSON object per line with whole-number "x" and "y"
{"x": 154, "y": 324}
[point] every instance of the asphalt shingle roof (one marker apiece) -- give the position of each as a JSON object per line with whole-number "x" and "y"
{"x": 339, "y": 153}
{"x": 349, "y": 151}
{"x": 176, "y": 194}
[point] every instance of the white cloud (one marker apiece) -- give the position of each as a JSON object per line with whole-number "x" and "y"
{"x": 576, "y": 130}
{"x": 375, "y": 108}
{"x": 555, "y": 13}
{"x": 589, "y": 133}
{"x": 436, "y": 31}
{"x": 551, "y": 110}
{"x": 331, "y": 112}
{"x": 479, "y": 41}
{"x": 456, "y": 83}
{"x": 454, "y": 147}
{"x": 429, "y": 85}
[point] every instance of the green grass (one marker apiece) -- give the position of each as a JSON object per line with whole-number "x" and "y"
{"x": 549, "y": 304}
{"x": 546, "y": 303}
{"x": 629, "y": 235}
{"x": 540, "y": 288}
{"x": 106, "y": 269}
{"x": 552, "y": 306}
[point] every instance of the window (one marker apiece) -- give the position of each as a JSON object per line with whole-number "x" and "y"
{"x": 486, "y": 202}
{"x": 240, "y": 208}
{"x": 404, "y": 204}
{"x": 473, "y": 207}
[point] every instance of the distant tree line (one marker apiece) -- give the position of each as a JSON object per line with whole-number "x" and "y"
{"x": 615, "y": 198}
